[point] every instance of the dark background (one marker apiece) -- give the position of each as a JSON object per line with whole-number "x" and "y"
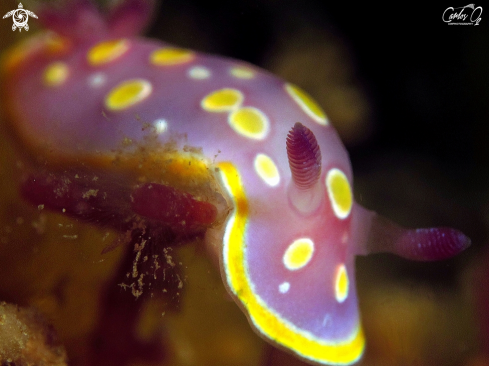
{"x": 427, "y": 80}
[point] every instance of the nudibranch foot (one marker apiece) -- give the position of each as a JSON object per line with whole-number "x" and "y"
{"x": 76, "y": 195}
{"x": 93, "y": 197}
{"x": 172, "y": 206}
{"x": 425, "y": 244}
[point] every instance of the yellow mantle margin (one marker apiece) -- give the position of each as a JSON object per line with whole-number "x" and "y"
{"x": 266, "y": 321}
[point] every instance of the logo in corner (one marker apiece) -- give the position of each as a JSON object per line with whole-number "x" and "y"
{"x": 463, "y": 15}
{"x": 20, "y": 17}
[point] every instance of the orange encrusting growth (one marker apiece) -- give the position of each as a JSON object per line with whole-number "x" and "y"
{"x": 268, "y": 322}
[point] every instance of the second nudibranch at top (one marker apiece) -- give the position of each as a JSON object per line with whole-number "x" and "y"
{"x": 204, "y": 145}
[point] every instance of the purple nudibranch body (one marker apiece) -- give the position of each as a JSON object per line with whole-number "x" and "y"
{"x": 272, "y": 198}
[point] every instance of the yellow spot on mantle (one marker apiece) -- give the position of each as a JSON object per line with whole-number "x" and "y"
{"x": 107, "y": 51}
{"x": 298, "y": 254}
{"x": 267, "y": 170}
{"x": 171, "y": 56}
{"x": 339, "y": 192}
{"x": 222, "y": 100}
{"x": 307, "y": 104}
{"x": 341, "y": 283}
{"x": 242, "y": 72}
{"x": 249, "y": 122}
{"x": 55, "y": 74}
{"x": 128, "y": 93}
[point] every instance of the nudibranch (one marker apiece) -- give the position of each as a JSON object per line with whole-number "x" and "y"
{"x": 101, "y": 116}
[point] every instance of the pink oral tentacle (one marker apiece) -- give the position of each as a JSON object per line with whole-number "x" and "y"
{"x": 379, "y": 234}
{"x": 431, "y": 244}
